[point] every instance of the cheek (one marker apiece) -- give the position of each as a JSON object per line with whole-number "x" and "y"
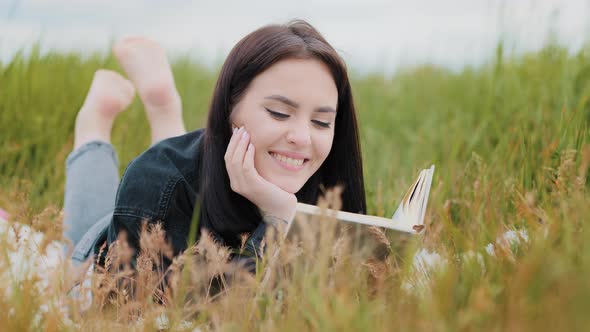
{"x": 324, "y": 145}
{"x": 261, "y": 143}
{"x": 259, "y": 156}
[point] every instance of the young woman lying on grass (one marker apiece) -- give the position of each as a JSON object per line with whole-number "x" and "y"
{"x": 281, "y": 125}
{"x": 287, "y": 91}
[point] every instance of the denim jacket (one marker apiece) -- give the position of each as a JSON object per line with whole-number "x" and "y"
{"x": 161, "y": 185}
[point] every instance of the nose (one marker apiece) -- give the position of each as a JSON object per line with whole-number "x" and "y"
{"x": 299, "y": 134}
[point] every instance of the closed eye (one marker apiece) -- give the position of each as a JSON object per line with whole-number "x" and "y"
{"x": 282, "y": 116}
{"x": 277, "y": 114}
{"x": 322, "y": 124}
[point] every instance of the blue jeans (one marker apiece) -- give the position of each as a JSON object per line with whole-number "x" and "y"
{"x": 92, "y": 179}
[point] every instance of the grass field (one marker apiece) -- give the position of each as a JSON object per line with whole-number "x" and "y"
{"x": 511, "y": 145}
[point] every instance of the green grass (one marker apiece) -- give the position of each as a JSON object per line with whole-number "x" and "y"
{"x": 511, "y": 145}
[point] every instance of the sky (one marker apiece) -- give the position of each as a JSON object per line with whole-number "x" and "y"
{"x": 371, "y": 35}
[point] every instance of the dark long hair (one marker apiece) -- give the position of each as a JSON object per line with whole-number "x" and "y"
{"x": 229, "y": 214}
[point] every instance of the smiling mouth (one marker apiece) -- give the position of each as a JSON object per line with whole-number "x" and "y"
{"x": 286, "y": 161}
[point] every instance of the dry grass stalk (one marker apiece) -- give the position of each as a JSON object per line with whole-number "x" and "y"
{"x": 566, "y": 171}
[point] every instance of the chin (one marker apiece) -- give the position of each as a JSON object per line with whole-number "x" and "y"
{"x": 290, "y": 188}
{"x": 288, "y": 185}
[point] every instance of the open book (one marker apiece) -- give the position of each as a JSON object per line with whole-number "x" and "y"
{"x": 408, "y": 218}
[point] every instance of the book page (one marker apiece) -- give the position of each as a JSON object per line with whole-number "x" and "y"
{"x": 408, "y": 218}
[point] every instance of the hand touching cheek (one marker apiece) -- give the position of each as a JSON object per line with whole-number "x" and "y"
{"x": 245, "y": 180}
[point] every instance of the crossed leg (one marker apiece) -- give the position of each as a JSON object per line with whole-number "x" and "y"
{"x": 92, "y": 175}
{"x": 146, "y": 65}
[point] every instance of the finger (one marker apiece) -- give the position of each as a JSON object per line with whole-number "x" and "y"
{"x": 240, "y": 152}
{"x": 233, "y": 142}
{"x": 234, "y": 171}
{"x": 249, "y": 159}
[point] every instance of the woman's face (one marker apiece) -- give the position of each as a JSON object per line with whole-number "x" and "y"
{"x": 289, "y": 110}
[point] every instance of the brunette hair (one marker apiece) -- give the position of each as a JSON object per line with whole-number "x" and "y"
{"x": 229, "y": 214}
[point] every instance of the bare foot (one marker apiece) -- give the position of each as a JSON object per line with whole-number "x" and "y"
{"x": 109, "y": 94}
{"x": 147, "y": 66}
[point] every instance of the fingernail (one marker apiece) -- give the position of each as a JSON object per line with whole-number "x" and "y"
{"x": 245, "y": 134}
{"x": 235, "y": 129}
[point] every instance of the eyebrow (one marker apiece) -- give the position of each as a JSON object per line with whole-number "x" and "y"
{"x": 294, "y": 104}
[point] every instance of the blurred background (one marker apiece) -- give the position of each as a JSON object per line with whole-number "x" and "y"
{"x": 372, "y": 35}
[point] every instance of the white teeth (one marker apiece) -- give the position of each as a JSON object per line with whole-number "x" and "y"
{"x": 290, "y": 161}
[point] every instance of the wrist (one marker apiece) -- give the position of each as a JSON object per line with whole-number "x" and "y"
{"x": 283, "y": 211}
{"x": 277, "y": 224}
{"x": 274, "y": 220}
